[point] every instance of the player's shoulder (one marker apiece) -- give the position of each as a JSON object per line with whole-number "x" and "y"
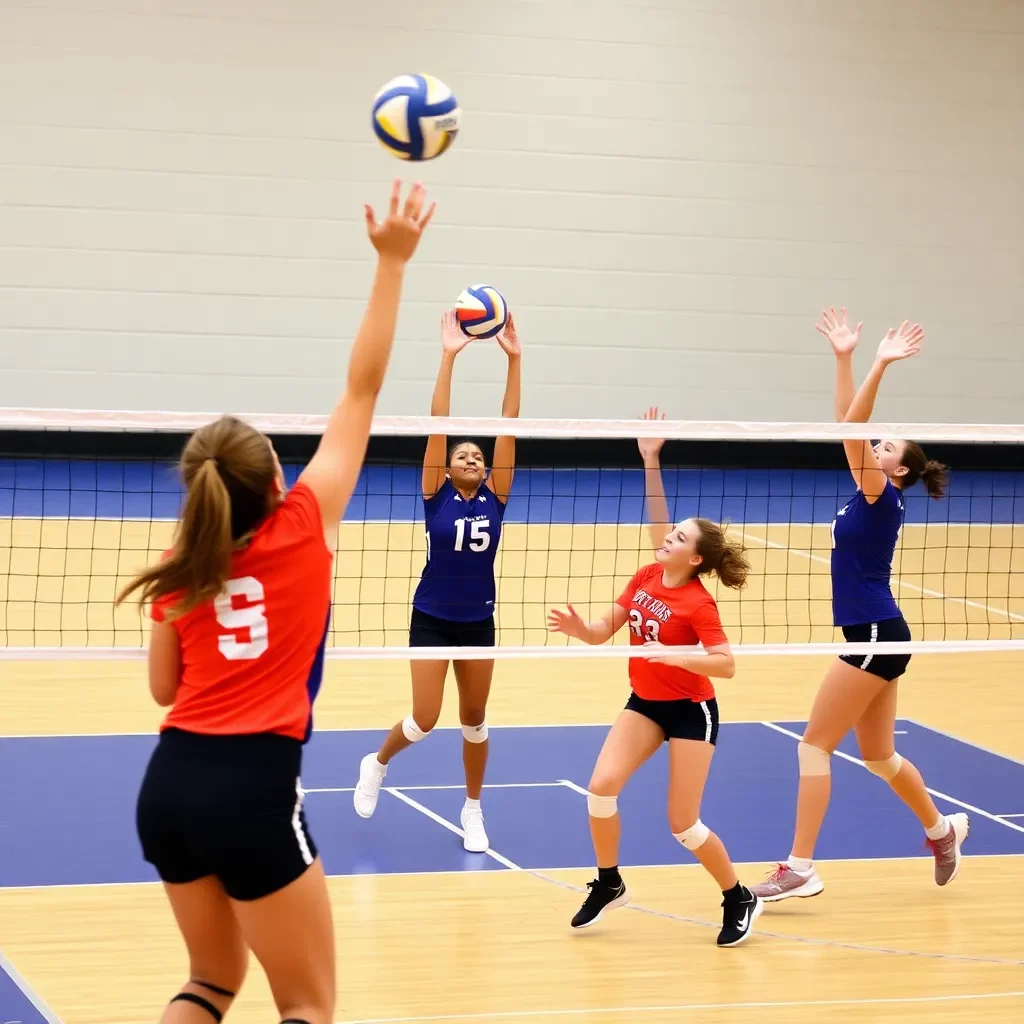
{"x": 647, "y": 573}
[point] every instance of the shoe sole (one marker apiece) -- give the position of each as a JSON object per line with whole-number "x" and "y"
{"x": 957, "y": 854}
{"x": 797, "y": 893}
{"x": 754, "y": 915}
{"x": 474, "y": 849}
{"x": 619, "y": 901}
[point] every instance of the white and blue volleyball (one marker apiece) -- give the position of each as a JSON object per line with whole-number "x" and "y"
{"x": 416, "y": 117}
{"x": 481, "y": 311}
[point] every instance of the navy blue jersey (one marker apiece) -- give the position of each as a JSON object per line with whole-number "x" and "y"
{"x": 462, "y": 539}
{"x": 864, "y": 538}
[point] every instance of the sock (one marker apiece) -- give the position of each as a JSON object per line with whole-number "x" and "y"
{"x": 610, "y": 877}
{"x": 472, "y": 805}
{"x": 735, "y": 894}
{"x": 801, "y": 865}
{"x": 938, "y": 830}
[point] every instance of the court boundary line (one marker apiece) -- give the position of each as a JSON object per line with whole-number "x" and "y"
{"x": 445, "y": 823}
{"x": 691, "y": 1007}
{"x": 934, "y": 792}
{"x": 27, "y": 991}
{"x": 362, "y": 728}
{"x": 491, "y": 871}
{"x": 639, "y": 908}
{"x": 959, "y": 739}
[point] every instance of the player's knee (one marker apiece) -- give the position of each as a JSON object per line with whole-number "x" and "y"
{"x": 602, "y": 806}
{"x": 813, "y": 760}
{"x": 886, "y": 769}
{"x": 477, "y": 732}
{"x": 414, "y": 730}
{"x": 694, "y": 837}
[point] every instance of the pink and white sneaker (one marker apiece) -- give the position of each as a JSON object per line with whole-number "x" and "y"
{"x": 947, "y": 849}
{"x": 785, "y": 882}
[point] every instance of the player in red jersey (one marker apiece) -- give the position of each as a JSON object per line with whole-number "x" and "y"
{"x": 673, "y": 699}
{"x": 240, "y": 608}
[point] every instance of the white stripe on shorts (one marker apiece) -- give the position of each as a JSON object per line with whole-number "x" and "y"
{"x": 874, "y": 639}
{"x": 300, "y": 835}
{"x": 707, "y": 718}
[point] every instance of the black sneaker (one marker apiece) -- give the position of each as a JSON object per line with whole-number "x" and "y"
{"x": 601, "y": 898}
{"x": 738, "y": 918}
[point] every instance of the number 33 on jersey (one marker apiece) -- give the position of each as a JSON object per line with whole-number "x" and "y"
{"x": 462, "y": 540}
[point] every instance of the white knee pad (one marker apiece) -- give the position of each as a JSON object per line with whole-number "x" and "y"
{"x": 887, "y": 769}
{"x": 694, "y": 837}
{"x": 813, "y": 760}
{"x": 475, "y": 733}
{"x": 602, "y": 806}
{"x": 412, "y": 732}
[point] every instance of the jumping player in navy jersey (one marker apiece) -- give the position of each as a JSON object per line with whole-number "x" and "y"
{"x": 454, "y": 602}
{"x": 859, "y": 692}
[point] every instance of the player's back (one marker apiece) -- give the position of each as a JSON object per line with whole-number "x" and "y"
{"x": 252, "y": 658}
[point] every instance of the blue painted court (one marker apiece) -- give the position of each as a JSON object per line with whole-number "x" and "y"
{"x": 59, "y": 488}
{"x": 67, "y": 803}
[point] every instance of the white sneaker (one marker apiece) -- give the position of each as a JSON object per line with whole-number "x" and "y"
{"x": 475, "y": 840}
{"x": 371, "y": 775}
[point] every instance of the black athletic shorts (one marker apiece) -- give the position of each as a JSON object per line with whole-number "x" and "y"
{"x": 885, "y": 666}
{"x": 229, "y": 806}
{"x": 429, "y": 631}
{"x": 680, "y": 719}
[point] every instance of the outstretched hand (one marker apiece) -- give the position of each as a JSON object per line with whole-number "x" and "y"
{"x": 453, "y": 338}
{"x": 396, "y": 237}
{"x": 650, "y": 446}
{"x": 508, "y": 338}
{"x": 834, "y": 326}
{"x": 901, "y": 343}
{"x": 568, "y": 622}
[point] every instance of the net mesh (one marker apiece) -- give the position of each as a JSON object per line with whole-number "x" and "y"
{"x": 75, "y": 527}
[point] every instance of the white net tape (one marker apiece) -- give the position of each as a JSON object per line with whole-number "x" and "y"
{"x": 492, "y": 426}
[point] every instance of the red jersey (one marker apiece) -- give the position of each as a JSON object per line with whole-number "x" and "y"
{"x": 677, "y": 617}
{"x": 252, "y": 658}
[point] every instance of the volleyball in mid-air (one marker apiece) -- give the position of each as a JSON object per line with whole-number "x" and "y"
{"x": 481, "y": 311}
{"x": 416, "y": 117}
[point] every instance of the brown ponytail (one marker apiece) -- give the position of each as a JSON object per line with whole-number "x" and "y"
{"x": 722, "y": 556}
{"x": 228, "y": 468}
{"x": 934, "y": 475}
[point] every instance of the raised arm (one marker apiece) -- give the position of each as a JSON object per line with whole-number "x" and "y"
{"x": 453, "y": 341}
{"x": 504, "y": 461}
{"x": 654, "y": 487}
{"x": 896, "y": 345}
{"x": 334, "y": 469}
{"x": 834, "y": 326}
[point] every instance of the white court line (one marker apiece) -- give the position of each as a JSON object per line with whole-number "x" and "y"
{"x": 27, "y": 991}
{"x": 448, "y": 825}
{"x": 356, "y": 728}
{"x": 572, "y": 785}
{"x": 925, "y": 591}
{"x": 489, "y": 871}
{"x": 461, "y": 785}
{"x": 959, "y": 739}
{"x": 688, "y": 1007}
{"x": 934, "y": 792}
{"x": 1011, "y": 815}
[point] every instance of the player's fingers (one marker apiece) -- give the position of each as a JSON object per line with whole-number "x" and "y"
{"x": 414, "y": 202}
{"x": 427, "y": 216}
{"x": 371, "y": 220}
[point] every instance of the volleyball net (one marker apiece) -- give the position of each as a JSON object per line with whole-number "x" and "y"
{"x": 88, "y": 498}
